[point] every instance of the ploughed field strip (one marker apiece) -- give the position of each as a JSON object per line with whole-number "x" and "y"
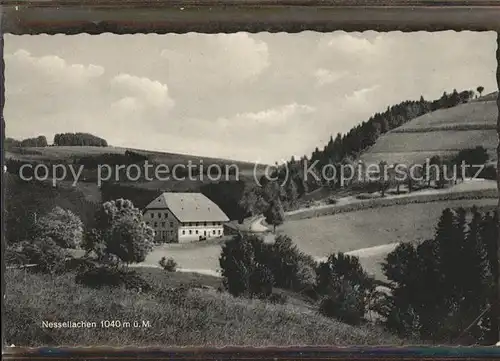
{"x": 442, "y": 132}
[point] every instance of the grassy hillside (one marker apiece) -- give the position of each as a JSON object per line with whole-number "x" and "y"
{"x": 371, "y": 227}
{"x": 443, "y": 132}
{"x": 26, "y": 200}
{"x": 225, "y": 191}
{"x": 66, "y": 153}
{"x": 372, "y": 232}
{"x": 195, "y": 315}
{"x": 481, "y": 112}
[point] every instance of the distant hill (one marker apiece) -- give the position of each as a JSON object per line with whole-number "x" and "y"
{"x": 360, "y": 138}
{"x": 225, "y": 190}
{"x": 443, "y": 132}
{"x": 93, "y": 156}
{"x": 61, "y": 153}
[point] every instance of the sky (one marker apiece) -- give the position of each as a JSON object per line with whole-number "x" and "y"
{"x": 254, "y": 97}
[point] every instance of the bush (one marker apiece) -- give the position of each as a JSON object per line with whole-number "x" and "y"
{"x": 129, "y": 240}
{"x": 403, "y": 321}
{"x": 251, "y": 267}
{"x": 344, "y": 288}
{"x": 475, "y": 156}
{"x": 63, "y": 226}
{"x": 121, "y": 233}
{"x": 45, "y": 253}
{"x": 237, "y": 262}
{"x": 368, "y": 187}
{"x": 305, "y": 276}
{"x": 80, "y": 264}
{"x": 261, "y": 282}
{"x": 346, "y": 302}
{"x": 331, "y": 200}
{"x": 13, "y": 256}
{"x": 102, "y": 276}
{"x": 278, "y": 298}
{"x": 363, "y": 196}
{"x": 339, "y": 268}
{"x": 168, "y": 265}
{"x": 291, "y": 268}
{"x": 275, "y": 214}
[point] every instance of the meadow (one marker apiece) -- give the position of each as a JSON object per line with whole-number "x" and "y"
{"x": 65, "y": 153}
{"x": 367, "y": 231}
{"x": 437, "y": 140}
{"x": 182, "y": 310}
{"x": 475, "y": 113}
{"x": 371, "y": 232}
{"x": 442, "y": 132}
{"x": 350, "y": 231}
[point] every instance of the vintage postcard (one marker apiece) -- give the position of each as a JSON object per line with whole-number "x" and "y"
{"x": 251, "y": 189}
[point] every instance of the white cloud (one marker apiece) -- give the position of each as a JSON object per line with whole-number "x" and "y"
{"x": 354, "y": 43}
{"x": 64, "y": 97}
{"x": 54, "y": 67}
{"x": 145, "y": 90}
{"x": 269, "y": 117}
{"x": 127, "y": 104}
{"x": 247, "y": 135}
{"x": 325, "y": 76}
{"x": 216, "y": 59}
{"x": 361, "y": 94}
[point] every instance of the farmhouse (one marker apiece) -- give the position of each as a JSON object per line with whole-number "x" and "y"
{"x": 184, "y": 217}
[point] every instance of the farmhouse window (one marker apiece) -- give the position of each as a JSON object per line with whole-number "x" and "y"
{"x": 163, "y": 224}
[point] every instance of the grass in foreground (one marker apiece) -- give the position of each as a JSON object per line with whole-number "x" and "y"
{"x": 181, "y": 316}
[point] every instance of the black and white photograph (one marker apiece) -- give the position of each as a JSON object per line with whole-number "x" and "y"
{"x": 251, "y": 189}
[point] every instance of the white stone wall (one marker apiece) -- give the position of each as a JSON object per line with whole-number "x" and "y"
{"x": 168, "y": 229}
{"x": 164, "y": 224}
{"x": 191, "y": 232}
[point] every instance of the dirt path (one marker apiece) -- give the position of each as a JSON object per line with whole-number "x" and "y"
{"x": 467, "y": 186}
{"x": 257, "y": 225}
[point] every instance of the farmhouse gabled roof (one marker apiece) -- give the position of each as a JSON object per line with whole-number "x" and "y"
{"x": 189, "y": 207}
